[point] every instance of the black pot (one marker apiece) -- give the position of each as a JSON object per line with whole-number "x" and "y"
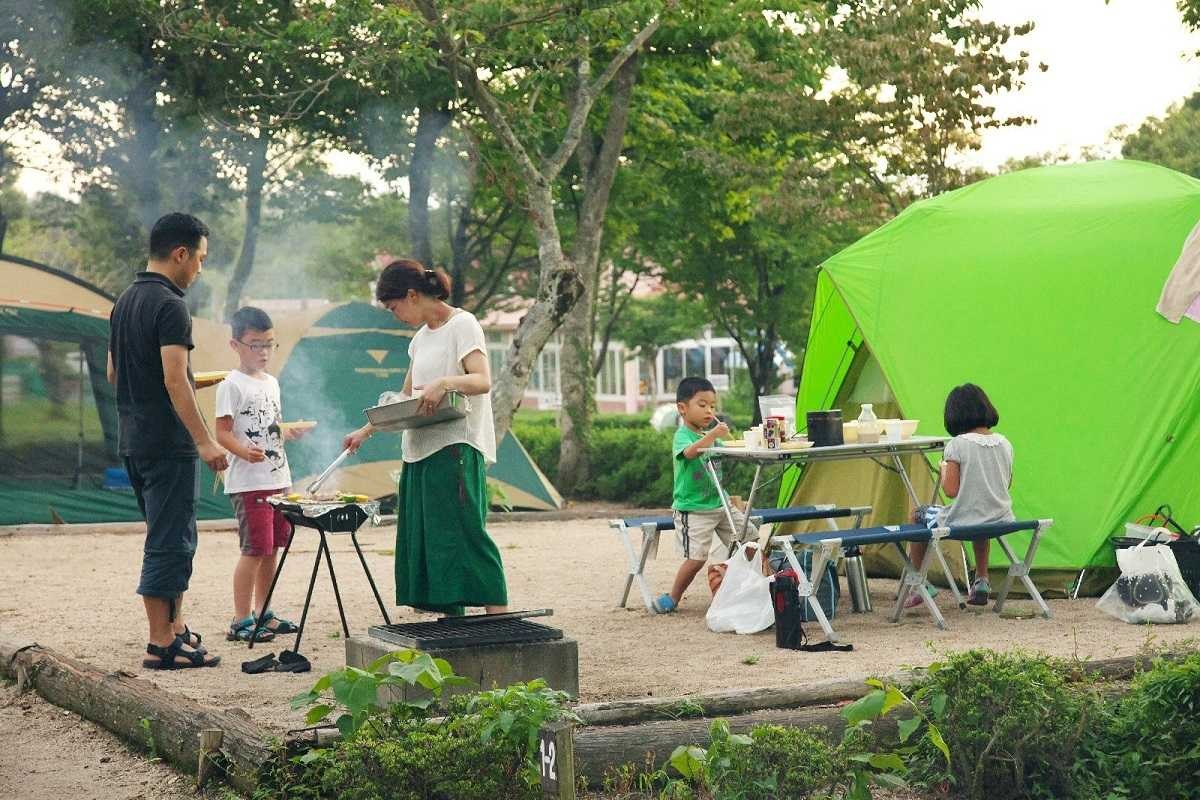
{"x": 825, "y": 427}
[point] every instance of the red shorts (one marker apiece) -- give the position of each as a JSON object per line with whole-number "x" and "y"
{"x": 261, "y": 528}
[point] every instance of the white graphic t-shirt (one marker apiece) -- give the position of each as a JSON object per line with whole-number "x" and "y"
{"x": 254, "y": 405}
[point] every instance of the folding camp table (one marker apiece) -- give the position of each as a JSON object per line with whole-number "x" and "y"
{"x": 762, "y": 457}
{"x": 651, "y": 527}
{"x": 830, "y": 548}
{"x": 879, "y": 452}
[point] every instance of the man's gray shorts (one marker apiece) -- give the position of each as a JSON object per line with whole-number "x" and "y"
{"x": 166, "y": 493}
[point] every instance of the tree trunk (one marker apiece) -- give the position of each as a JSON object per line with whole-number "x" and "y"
{"x": 559, "y": 289}
{"x": 3, "y": 226}
{"x": 598, "y": 170}
{"x": 431, "y": 121}
{"x": 256, "y": 168}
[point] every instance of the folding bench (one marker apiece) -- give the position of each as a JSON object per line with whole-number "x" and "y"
{"x": 830, "y": 548}
{"x": 651, "y": 527}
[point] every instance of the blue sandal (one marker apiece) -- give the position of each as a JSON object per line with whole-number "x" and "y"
{"x": 282, "y": 626}
{"x": 242, "y": 630}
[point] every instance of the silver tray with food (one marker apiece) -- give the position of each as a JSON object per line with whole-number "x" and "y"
{"x": 404, "y": 414}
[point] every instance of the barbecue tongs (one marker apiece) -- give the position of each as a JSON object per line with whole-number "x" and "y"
{"x": 312, "y": 487}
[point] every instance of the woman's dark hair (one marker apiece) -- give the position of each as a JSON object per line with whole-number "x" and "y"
{"x": 404, "y": 274}
{"x": 968, "y": 408}
{"x": 175, "y": 230}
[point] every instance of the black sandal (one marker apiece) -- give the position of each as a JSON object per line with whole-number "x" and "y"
{"x": 164, "y": 657}
{"x": 187, "y": 635}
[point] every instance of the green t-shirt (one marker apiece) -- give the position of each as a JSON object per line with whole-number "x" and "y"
{"x": 694, "y": 489}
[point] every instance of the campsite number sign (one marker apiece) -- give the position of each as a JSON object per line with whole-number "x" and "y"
{"x": 556, "y": 759}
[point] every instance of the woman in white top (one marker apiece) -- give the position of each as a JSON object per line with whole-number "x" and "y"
{"x": 445, "y": 560}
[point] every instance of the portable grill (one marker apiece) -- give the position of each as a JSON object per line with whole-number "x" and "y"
{"x": 471, "y": 631}
{"x": 324, "y": 517}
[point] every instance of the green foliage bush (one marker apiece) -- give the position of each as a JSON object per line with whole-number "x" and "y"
{"x": 631, "y": 462}
{"x": 1012, "y": 722}
{"x": 1148, "y": 744}
{"x": 483, "y": 748}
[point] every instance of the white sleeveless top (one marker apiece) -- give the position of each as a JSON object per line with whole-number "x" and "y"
{"x": 438, "y": 353}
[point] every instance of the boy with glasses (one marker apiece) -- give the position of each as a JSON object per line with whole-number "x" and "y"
{"x": 248, "y": 426}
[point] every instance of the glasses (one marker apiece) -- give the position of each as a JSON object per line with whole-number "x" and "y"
{"x": 265, "y": 347}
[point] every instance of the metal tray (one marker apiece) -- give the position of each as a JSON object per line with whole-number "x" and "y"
{"x": 403, "y": 415}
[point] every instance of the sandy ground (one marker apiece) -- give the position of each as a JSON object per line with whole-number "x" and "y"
{"x": 46, "y": 752}
{"x": 74, "y": 592}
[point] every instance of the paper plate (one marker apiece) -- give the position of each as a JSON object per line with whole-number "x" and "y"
{"x": 210, "y": 378}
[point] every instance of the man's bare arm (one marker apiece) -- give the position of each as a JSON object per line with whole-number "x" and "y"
{"x": 112, "y": 371}
{"x": 183, "y": 398}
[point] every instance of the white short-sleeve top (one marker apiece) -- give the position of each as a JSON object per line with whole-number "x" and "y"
{"x": 438, "y": 353}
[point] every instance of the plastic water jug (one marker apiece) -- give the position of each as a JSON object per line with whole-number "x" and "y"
{"x": 868, "y": 425}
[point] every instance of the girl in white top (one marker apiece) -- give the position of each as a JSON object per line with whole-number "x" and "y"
{"x": 445, "y": 560}
{"x": 976, "y": 473}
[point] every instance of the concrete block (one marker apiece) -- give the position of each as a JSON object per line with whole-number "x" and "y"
{"x": 488, "y": 667}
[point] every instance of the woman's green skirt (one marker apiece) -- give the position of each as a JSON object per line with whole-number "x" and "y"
{"x": 445, "y": 559}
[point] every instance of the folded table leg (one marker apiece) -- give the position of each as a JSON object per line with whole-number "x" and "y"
{"x": 914, "y": 579}
{"x": 805, "y": 586}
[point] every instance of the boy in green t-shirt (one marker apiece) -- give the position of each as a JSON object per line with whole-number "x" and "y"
{"x": 695, "y": 501}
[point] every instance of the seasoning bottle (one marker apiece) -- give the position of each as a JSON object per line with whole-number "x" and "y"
{"x": 868, "y": 425}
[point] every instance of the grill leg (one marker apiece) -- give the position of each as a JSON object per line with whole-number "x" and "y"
{"x": 370, "y": 580}
{"x": 312, "y": 581}
{"x": 270, "y": 591}
{"x": 333, "y": 579}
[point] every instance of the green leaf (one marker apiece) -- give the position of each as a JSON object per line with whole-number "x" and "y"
{"x": 894, "y": 697}
{"x": 311, "y": 756}
{"x": 935, "y": 736}
{"x": 345, "y": 725}
{"x": 317, "y": 713}
{"x": 689, "y": 761}
{"x": 887, "y": 761}
{"x": 864, "y": 708}
{"x": 891, "y": 779}
{"x": 908, "y": 727}
{"x": 507, "y": 718}
{"x": 938, "y": 703}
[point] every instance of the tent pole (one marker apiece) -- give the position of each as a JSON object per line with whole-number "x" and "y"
{"x": 79, "y": 450}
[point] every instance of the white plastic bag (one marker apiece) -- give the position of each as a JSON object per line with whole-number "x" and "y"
{"x": 1150, "y": 588}
{"x": 743, "y": 603}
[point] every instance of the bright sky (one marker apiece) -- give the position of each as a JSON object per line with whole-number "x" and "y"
{"x": 1109, "y": 65}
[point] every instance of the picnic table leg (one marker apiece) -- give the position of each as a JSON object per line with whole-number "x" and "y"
{"x": 1020, "y": 569}
{"x": 726, "y": 503}
{"x": 908, "y": 485}
{"x": 804, "y": 588}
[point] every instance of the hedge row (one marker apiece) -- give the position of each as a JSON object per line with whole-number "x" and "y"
{"x": 631, "y": 462}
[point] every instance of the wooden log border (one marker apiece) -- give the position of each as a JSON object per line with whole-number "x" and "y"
{"x": 614, "y": 734}
{"x": 119, "y": 702}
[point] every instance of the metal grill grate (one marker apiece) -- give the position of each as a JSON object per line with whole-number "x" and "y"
{"x": 447, "y": 633}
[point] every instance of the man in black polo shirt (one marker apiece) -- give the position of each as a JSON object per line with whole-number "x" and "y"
{"x": 161, "y": 430}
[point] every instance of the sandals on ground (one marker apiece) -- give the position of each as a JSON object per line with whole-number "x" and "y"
{"x": 165, "y": 657}
{"x": 243, "y": 629}
{"x": 282, "y": 626}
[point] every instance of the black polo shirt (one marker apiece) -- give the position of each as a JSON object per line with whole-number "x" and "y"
{"x": 150, "y": 314}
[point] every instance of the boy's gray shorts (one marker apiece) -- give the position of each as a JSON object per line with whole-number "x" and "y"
{"x": 694, "y": 532}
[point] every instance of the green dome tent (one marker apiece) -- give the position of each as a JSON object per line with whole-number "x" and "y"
{"x": 1040, "y": 286}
